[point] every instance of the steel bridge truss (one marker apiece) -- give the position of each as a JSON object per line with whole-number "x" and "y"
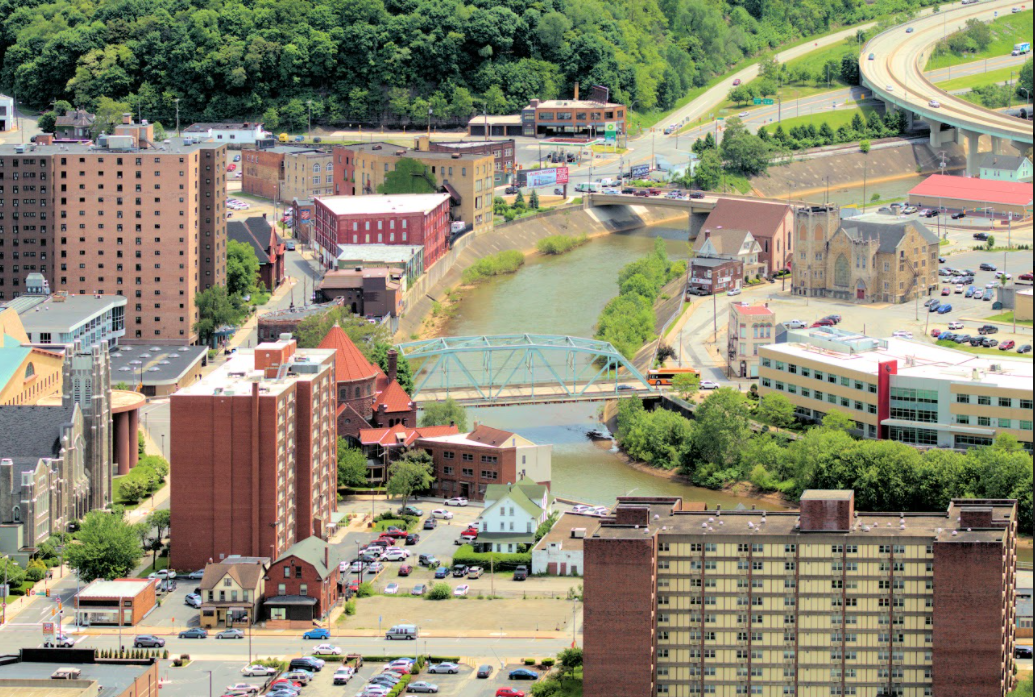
{"x": 489, "y": 365}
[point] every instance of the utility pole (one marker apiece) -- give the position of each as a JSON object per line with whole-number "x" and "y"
{"x": 177, "y": 100}
{"x": 309, "y": 126}
{"x": 429, "y": 122}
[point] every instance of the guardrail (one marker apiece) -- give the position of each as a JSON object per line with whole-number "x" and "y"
{"x": 1024, "y": 566}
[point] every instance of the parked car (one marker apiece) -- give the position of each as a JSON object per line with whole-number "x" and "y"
{"x": 989, "y": 343}
{"x": 988, "y": 329}
{"x": 396, "y": 554}
{"x": 1022, "y": 652}
{"x": 196, "y": 575}
{"x": 902, "y": 334}
{"x": 194, "y": 633}
{"x": 955, "y": 325}
{"x": 523, "y": 674}
{"x": 475, "y": 572}
{"x": 442, "y": 514}
{"x": 442, "y": 572}
{"x": 327, "y": 650}
{"x": 484, "y": 672}
{"x": 243, "y": 688}
{"x": 419, "y": 589}
{"x": 192, "y": 600}
{"x": 411, "y": 510}
{"x": 456, "y": 501}
{"x": 448, "y": 668}
{"x": 430, "y": 524}
{"x": 412, "y": 539}
{"x": 148, "y": 641}
{"x": 946, "y": 291}
{"x": 375, "y": 567}
{"x": 795, "y": 324}
{"x": 944, "y": 309}
{"x": 521, "y": 573}
{"x": 937, "y": 333}
{"x": 708, "y": 385}
{"x": 428, "y": 560}
{"x": 509, "y": 692}
{"x": 317, "y": 634}
{"x": 257, "y": 670}
{"x": 733, "y": 291}
{"x": 392, "y": 589}
{"x": 1007, "y": 345}
{"x": 461, "y": 591}
{"x": 422, "y": 686}
{"x": 343, "y": 675}
{"x": 988, "y": 294}
{"x": 1024, "y": 348}
{"x": 230, "y": 634}
{"x": 404, "y": 570}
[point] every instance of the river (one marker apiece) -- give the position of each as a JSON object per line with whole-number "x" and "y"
{"x": 564, "y": 295}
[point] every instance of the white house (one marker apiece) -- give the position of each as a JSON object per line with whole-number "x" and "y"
{"x": 559, "y": 553}
{"x": 231, "y": 133}
{"x": 513, "y": 513}
{"x": 7, "y": 122}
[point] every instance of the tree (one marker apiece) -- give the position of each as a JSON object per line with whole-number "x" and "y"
{"x": 1024, "y": 688}
{"x": 352, "y": 465}
{"x": 835, "y": 420}
{"x": 159, "y": 521}
{"x": 106, "y": 547}
{"x": 10, "y": 570}
{"x": 132, "y": 490}
{"x": 444, "y": 414}
{"x": 849, "y": 71}
{"x": 775, "y": 409}
{"x": 46, "y": 121}
{"x": 495, "y": 100}
{"x": 708, "y": 172}
{"x": 739, "y": 94}
{"x": 1024, "y": 81}
{"x": 533, "y": 200}
{"x": 519, "y": 201}
{"x": 108, "y": 113}
{"x": 364, "y": 335}
{"x": 215, "y": 311}
{"x": 742, "y": 151}
{"x": 242, "y": 268}
{"x": 990, "y": 242}
{"x": 410, "y": 475}
{"x": 864, "y": 146}
{"x": 569, "y": 661}
{"x": 723, "y": 427}
{"x": 686, "y": 384}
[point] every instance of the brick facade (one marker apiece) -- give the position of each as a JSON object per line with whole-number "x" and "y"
{"x": 299, "y": 573}
{"x": 461, "y": 471}
{"x": 262, "y": 172}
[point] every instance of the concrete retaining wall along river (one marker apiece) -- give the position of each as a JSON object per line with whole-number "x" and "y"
{"x": 521, "y": 235}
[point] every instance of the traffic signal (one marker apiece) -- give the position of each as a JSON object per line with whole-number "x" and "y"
{"x": 48, "y": 592}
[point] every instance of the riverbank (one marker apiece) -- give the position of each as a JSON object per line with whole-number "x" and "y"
{"x": 430, "y": 291}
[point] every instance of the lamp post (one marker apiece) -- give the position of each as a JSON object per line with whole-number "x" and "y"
{"x": 177, "y": 100}
{"x": 429, "y": 122}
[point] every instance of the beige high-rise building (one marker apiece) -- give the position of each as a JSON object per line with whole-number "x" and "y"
{"x": 125, "y": 216}
{"x": 825, "y": 601}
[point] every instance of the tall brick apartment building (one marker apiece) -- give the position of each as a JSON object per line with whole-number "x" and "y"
{"x": 122, "y": 217}
{"x": 254, "y": 445}
{"x": 822, "y": 602}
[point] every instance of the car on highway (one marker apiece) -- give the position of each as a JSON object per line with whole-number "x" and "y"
{"x": 743, "y": 115}
{"x": 392, "y": 589}
{"x": 194, "y": 633}
{"x": 934, "y": 104}
{"x": 327, "y": 650}
{"x": 509, "y": 692}
{"x": 889, "y": 88}
{"x": 708, "y": 385}
{"x": 873, "y": 56}
{"x": 456, "y": 501}
{"x": 256, "y": 670}
{"x": 736, "y": 82}
{"x": 909, "y": 30}
{"x": 317, "y": 634}
{"x": 958, "y": 216}
{"x": 230, "y": 634}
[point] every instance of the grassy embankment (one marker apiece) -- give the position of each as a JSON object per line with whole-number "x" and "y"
{"x": 1006, "y": 31}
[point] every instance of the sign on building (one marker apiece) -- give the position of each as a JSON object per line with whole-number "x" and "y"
{"x": 638, "y": 171}
{"x": 547, "y": 177}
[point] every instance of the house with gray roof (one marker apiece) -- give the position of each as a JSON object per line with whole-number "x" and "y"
{"x": 303, "y": 584}
{"x": 74, "y": 125}
{"x": 1005, "y": 168}
{"x": 513, "y": 513}
{"x": 257, "y": 233}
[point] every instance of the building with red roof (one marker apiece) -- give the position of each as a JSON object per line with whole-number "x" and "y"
{"x": 367, "y": 397}
{"x": 750, "y": 328}
{"x": 969, "y": 194}
{"x": 382, "y": 445}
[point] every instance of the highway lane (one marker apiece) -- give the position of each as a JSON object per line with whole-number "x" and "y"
{"x": 895, "y": 73}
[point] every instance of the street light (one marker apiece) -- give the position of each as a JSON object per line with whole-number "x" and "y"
{"x": 429, "y": 122}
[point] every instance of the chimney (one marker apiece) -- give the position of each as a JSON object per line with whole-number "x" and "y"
{"x": 127, "y": 119}
{"x": 263, "y": 216}
{"x": 576, "y": 91}
{"x": 327, "y": 555}
{"x": 393, "y": 364}
{"x": 707, "y": 234}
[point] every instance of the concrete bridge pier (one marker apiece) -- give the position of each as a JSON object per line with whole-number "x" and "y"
{"x": 997, "y": 145}
{"x": 939, "y": 134}
{"x": 696, "y": 222}
{"x": 972, "y": 140}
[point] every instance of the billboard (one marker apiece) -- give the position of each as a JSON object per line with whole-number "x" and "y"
{"x": 599, "y": 94}
{"x": 639, "y": 171}
{"x": 547, "y": 177}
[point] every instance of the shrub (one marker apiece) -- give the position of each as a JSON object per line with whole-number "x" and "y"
{"x": 548, "y": 662}
{"x": 400, "y": 687}
{"x": 366, "y": 589}
{"x": 490, "y": 560}
{"x": 440, "y": 591}
{"x": 559, "y": 244}
{"x": 350, "y": 608}
{"x": 529, "y": 661}
{"x": 505, "y": 262}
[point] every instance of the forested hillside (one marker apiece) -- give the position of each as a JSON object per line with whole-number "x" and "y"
{"x": 387, "y": 60}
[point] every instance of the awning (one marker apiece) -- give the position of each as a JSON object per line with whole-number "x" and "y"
{"x": 944, "y": 428}
{"x": 290, "y": 601}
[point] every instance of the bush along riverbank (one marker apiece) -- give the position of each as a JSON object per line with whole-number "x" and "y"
{"x": 559, "y": 244}
{"x": 627, "y": 321}
{"x": 718, "y": 448}
{"x": 505, "y": 262}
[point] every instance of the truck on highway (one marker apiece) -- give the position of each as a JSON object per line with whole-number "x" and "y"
{"x": 588, "y": 188}
{"x": 1021, "y": 48}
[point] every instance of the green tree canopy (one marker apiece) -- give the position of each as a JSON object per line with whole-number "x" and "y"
{"x": 403, "y": 371}
{"x": 742, "y": 151}
{"x": 352, "y": 465}
{"x": 242, "y": 268}
{"x": 776, "y": 409}
{"x": 364, "y": 335}
{"x": 215, "y": 310}
{"x": 408, "y": 177}
{"x": 723, "y": 427}
{"x": 444, "y": 413}
{"x": 106, "y": 547}
{"x": 410, "y": 475}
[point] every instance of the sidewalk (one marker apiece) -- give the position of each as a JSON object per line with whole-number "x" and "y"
{"x": 243, "y": 333}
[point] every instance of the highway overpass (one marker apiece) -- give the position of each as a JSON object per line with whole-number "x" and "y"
{"x": 896, "y": 77}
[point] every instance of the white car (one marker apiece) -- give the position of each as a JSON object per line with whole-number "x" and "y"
{"x": 581, "y": 509}
{"x": 343, "y": 675}
{"x": 375, "y": 567}
{"x": 795, "y": 324}
{"x": 601, "y": 510}
{"x": 392, "y": 589}
{"x": 451, "y": 668}
{"x": 327, "y": 650}
{"x": 955, "y": 325}
{"x": 243, "y": 688}
{"x": 193, "y": 600}
{"x": 743, "y": 114}
{"x": 442, "y": 514}
{"x": 889, "y": 88}
{"x": 902, "y": 334}
{"x": 257, "y": 671}
{"x": 461, "y": 590}
{"x": 397, "y": 554}
{"x": 456, "y": 501}
{"x": 709, "y": 385}
{"x": 733, "y": 291}
{"x": 934, "y": 104}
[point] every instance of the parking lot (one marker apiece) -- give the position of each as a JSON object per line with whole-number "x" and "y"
{"x": 463, "y": 684}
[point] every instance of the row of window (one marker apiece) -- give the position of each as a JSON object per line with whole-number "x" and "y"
{"x": 844, "y": 402}
{"x": 831, "y": 378}
{"x": 469, "y": 472}
{"x": 469, "y": 457}
{"x": 986, "y": 401}
{"x": 965, "y": 420}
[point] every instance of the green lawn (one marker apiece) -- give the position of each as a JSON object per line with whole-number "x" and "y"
{"x": 1006, "y": 31}
{"x": 163, "y": 563}
{"x": 140, "y": 473}
{"x": 382, "y": 525}
{"x": 836, "y": 118}
{"x": 1008, "y": 317}
{"x": 992, "y": 77}
{"x": 981, "y": 349}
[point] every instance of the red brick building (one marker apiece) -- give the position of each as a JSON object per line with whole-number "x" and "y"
{"x": 366, "y": 396}
{"x": 262, "y": 169}
{"x": 466, "y": 463}
{"x": 302, "y": 585}
{"x": 710, "y": 275}
{"x": 255, "y": 448}
{"x": 771, "y": 224}
{"x": 100, "y": 601}
{"x": 841, "y": 602}
{"x": 407, "y": 219}
{"x": 257, "y": 233}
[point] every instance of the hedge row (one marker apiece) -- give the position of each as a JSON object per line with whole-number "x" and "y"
{"x": 491, "y": 560}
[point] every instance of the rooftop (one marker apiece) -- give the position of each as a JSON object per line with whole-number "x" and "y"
{"x": 391, "y": 150}
{"x": 256, "y": 232}
{"x": 473, "y": 439}
{"x": 238, "y": 374}
{"x": 173, "y": 147}
{"x": 299, "y": 312}
{"x": 504, "y": 120}
{"x": 96, "y": 679}
{"x": 378, "y": 253}
{"x": 155, "y": 365}
{"x": 991, "y": 160}
{"x": 227, "y": 126}
{"x": 561, "y": 532}
{"x": 915, "y": 358}
{"x": 33, "y": 431}
{"x": 574, "y": 104}
{"x": 400, "y": 204}
{"x": 888, "y": 233}
{"x": 401, "y": 435}
{"x": 288, "y": 149}
{"x": 977, "y": 190}
{"x": 350, "y": 364}
{"x": 119, "y": 588}
{"x": 712, "y": 262}
{"x": 760, "y": 217}
{"x": 755, "y": 310}
{"x": 61, "y": 313}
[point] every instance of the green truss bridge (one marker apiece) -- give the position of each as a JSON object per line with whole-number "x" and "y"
{"x": 520, "y": 369}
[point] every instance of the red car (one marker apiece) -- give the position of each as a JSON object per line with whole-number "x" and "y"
{"x": 946, "y": 290}
{"x": 405, "y": 570}
{"x": 1006, "y": 345}
{"x": 1025, "y": 277}
{"x": 393, "y": 533}
{"x": 936, "y": 333}
{"x": 285, "y": 681}
{"x": 509, "y": 692}
{"x": 823, "y": 323}
{"x": 736, "y": 82}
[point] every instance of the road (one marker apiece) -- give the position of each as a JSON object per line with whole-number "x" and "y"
{"x": 895, "y": 73}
